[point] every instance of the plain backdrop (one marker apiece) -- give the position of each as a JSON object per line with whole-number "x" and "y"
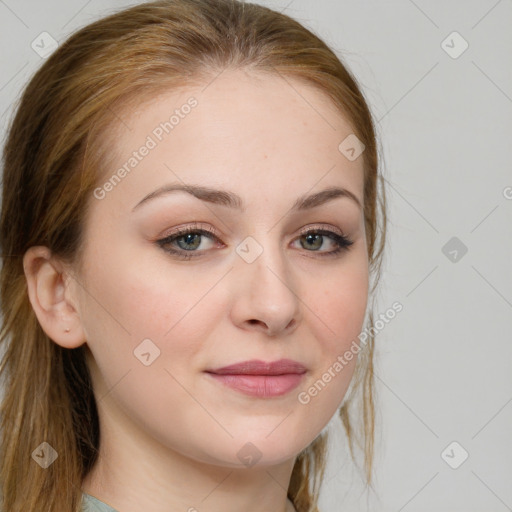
{"x": 438, "y": 78}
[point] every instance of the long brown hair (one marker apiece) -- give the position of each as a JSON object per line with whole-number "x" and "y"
{"x": 52, "y": 158}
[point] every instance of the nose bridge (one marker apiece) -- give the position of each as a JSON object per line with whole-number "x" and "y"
{"x": 264, "y": 259}
{"x": 266, "y": 284}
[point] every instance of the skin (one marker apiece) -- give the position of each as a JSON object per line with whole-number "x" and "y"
{"x": 170, "y": 433}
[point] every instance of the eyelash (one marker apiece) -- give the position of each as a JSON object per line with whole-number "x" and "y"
{"x": 341, "y": 240}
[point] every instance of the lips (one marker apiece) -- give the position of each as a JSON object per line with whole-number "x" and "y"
{"x": 257, "y": 367}
{"x": 260, "y": 379}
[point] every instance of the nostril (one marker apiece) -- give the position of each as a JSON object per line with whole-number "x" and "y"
{"x": 262, "y": 325}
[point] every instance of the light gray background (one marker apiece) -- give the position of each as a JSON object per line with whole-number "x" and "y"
{"x": 444, "y": 368}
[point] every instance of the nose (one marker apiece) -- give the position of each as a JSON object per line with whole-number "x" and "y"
{"x": 265, "y": 297}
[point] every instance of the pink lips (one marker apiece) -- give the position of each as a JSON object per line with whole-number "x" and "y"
{"x": 261, "y": 379}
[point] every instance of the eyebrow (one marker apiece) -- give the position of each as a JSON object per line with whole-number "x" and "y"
{"x": 232, "y": 200}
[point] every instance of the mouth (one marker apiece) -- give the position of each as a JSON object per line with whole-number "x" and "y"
{"x": 257, "y": 367}
{"x": 259, "y": 378}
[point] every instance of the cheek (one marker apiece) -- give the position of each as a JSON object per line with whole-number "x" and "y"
{"x": 144, "y": 336}
{"x": 129, "y": 303}
{"x": 340, "y": 306}
{"x": 338, "y": 316}
{"x": 345, "y": 309}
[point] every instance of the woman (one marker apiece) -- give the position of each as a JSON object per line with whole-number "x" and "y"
{"x": 191, "y": 221}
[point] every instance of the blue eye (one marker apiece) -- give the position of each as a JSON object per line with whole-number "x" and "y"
{"x": 312, "y": 236}
{"x": 188, "y": 240}
{"x": 184, "y": 242}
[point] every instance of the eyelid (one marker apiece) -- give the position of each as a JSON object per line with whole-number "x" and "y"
{"x": 215, "y": 234}
{"x": 320, "y": 227}
{"x": 193, "y": 226}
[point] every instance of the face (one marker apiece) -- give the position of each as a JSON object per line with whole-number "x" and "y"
{"x": 177, "y": 284}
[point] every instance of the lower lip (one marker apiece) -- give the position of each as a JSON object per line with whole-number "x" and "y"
{"x": 262, "y": 386}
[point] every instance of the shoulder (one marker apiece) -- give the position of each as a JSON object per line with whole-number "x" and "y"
{"x": 92, "y": 504}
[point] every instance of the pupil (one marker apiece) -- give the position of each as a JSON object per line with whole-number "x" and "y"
{"x": 187, "y": 239}
{"x": 308, "y": 237}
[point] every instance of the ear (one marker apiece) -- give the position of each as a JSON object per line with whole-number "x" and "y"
{"x": 51, "y": 297}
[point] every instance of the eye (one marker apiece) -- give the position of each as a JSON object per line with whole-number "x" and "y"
{"x": 185, "y": 242}
{"x": 188, "y": 240}
{"x": 314, "y": 238}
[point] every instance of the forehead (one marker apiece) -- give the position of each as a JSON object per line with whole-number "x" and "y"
{"x": 239, "y": 129}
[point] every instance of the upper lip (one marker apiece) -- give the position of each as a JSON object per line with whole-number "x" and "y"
{"x": 257, "y": 367}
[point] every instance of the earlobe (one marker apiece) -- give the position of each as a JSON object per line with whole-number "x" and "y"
{"x": 46, "y": 284}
